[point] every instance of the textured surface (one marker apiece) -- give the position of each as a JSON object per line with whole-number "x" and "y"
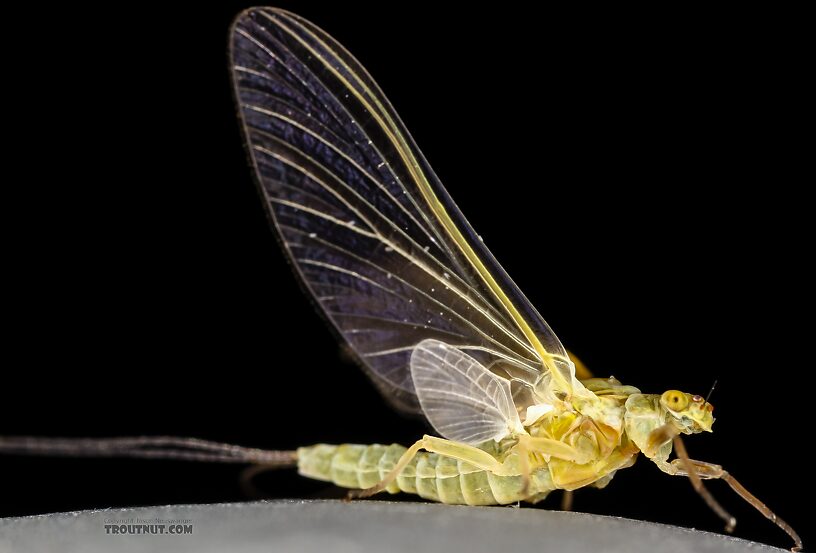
{"x": 376, "y": 526}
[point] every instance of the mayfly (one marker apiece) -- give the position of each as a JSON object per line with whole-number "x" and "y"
{"x": 429, "y": 313}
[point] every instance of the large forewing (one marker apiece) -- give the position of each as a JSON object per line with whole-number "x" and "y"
{"x": 376, "y": 239}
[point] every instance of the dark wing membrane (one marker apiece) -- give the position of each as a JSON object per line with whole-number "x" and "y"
{"x": 370, "y": 230}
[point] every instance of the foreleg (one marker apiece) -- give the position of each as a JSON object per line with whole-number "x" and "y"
{"x": 697, "y": 471}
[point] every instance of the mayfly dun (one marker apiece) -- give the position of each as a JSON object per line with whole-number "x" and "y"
{"x": 426, "y": 309}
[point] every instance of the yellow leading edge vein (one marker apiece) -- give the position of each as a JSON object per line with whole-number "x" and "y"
{"x": 394, "y": 134}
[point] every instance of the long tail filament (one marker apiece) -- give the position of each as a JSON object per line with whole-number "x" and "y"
{"x": 147, "y": 447}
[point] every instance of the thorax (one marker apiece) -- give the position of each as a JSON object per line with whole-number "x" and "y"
{"x": 596, "y": 428}
{"x": 643, "y": 416}
{"x": 597, "y": 423}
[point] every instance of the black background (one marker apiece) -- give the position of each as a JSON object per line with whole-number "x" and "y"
{"x": 637, "y": 174}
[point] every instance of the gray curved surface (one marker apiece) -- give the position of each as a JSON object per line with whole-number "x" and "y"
{"x": 364, "y": 526}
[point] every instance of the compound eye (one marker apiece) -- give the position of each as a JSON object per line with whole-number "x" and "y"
{"x": 675, "y": 400}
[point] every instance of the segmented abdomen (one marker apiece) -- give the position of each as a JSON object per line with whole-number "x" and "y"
{"x": 431, "y": 476}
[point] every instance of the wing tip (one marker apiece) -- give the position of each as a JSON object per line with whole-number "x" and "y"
{"x": 263, "y": 10}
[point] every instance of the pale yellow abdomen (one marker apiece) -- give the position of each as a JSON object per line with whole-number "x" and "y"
{"x": 431, "y": 476}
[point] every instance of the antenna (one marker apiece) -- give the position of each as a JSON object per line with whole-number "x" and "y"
{"x": 711, "y": 391}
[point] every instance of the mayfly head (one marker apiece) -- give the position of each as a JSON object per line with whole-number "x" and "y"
{"x": 691, "y": 414}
